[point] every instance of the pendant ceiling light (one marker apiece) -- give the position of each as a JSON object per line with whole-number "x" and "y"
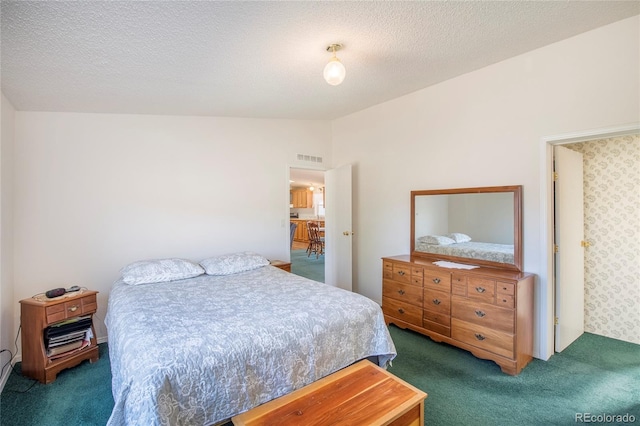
{"x": 334, "y": 71}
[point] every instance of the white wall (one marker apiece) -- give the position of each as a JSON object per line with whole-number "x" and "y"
{"x": 432, "y": 215}
{"x": 94, "y": 192}
{"x": 484, "y": 129}
{"x": 8, "y": 325}
{"x": 484, "y": 217}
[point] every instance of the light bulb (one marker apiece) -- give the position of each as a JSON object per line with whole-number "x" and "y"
{"x": 334, "y": 72}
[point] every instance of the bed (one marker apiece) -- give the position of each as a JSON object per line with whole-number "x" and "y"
{"x": 200, "y": 350}
{"x": 502, "y": 253}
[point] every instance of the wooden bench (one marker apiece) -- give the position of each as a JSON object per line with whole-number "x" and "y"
{"x": 361, "y": 394}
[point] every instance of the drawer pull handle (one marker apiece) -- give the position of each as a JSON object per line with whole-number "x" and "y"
{"x": 401, "y": 310}
{"x": 480, "y": 289}
{"x": 401, "y": 273}
{"x": 401, "y": 292}
{"x": 480, "y": 336}
{"x": 73, "y": 308}
{"x": 480, "y": 313}
{"x": 436, "y": 280}
{"x": 436, "y": 302}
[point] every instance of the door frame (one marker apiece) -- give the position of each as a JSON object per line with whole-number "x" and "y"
{"x": 547, "y": 281}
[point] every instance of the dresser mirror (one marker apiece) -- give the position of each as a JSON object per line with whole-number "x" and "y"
{"x": 478, "y": 226}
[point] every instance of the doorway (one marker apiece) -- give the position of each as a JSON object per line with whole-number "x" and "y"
{"x": 307, "y": 204}
{"x": 610, "y": 277}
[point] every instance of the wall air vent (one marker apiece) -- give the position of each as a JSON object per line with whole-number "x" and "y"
{"x": 309, "y": 158}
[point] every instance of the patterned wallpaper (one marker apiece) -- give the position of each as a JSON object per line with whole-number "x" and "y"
{"x": 612, "y": 226}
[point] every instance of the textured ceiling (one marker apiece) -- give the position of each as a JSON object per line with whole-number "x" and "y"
{"x": 264, "y": 59}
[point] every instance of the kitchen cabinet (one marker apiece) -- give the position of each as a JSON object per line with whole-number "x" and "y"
{"x": 301, "y": 234}
{"x": 301, "y": 198}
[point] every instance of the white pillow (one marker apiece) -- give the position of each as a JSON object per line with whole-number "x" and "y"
{"x": 437, "y": 240}
{"x": 160, "y": 270}
{"x": 459, "y": 238}
{"x": 233, "y": 263}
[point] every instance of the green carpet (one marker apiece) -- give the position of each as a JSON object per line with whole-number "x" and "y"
{"x": 595, "y": 375}
{"x": 307, "y": 266}
{"x": 78, "y": 396}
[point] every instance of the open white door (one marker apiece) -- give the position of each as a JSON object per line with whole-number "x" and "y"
{"x": 569, "y": 240}
{"x": 338, "y": 231}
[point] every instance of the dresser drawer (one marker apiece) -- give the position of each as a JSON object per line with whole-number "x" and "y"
{"x": 405, "y": 293}
{"x": 401, "y": 273}
{"x": 457, "y": 278}
{"x": 481, "y": 289}
{"x": 71, "y": 308}
{"x": 459, "y": 284}
{"x": 416, "y": 280}
{"x": 482, "y": 337}
{"x": 387, "y": 269}
{"x": 505, "y": 301}
{"x": 483, "y": 314}
{"x": 402, "y": 311}
{"x": 437, "y": 281}
{"x": 505, "y": 288}
{"x": 438, "y": 318}
{"x": 89, "y": 304}
{"x": 437, "y": 301}
{"x": 55, "y": 313}
{"x": 437, "y": 327}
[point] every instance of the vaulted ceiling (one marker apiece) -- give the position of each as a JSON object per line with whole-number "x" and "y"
{"x": 264, "y": 59}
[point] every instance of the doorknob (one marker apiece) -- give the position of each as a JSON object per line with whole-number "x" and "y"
{"x": 585, "y": 244}
{"x": 347, "y": 233}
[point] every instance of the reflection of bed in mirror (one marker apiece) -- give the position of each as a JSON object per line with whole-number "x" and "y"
{"x": 502, "y": 253}
{"x": 488, "y": 220}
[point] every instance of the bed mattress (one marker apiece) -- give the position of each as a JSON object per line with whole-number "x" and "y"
{"x": 201, "y": 350}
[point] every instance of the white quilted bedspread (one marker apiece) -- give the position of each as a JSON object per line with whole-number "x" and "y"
{"x": 201, "y": 350}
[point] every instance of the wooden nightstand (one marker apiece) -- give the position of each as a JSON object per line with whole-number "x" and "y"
{"x": 37, "y": 315}
{"x": 285, "y": 266}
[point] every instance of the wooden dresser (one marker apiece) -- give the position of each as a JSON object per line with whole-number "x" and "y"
{"x": 487, "y": 311}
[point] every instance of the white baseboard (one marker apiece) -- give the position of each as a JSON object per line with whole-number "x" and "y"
{"x": 5, "y": 376}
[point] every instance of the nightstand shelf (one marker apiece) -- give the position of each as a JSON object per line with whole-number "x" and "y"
{"x": 36, "y": 316}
